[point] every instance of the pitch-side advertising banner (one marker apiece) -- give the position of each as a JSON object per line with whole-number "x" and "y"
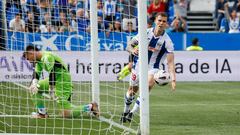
{"x": 190, "y": 66}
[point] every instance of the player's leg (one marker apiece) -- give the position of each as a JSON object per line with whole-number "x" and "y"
{"x": 130, "y": 95}
{"x": 151, "y": 81}
{"x": 136, "y": 106}
{"x": 70, "y": 110}
{"x": 127, "y": 69}
{"x": 76, "y": 111}
{"x": 63, "y": 91}
{"x": 38, "y": 99}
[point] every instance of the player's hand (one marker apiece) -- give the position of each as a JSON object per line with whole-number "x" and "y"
{"x": 135, "y": 51}
{"x": 152, "y": 49}
{"x": 173, "y": 85}
{"x": 34, "y": 87}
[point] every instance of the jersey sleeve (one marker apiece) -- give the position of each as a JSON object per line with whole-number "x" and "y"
{"x": 48, "y": 62}
{"x": 169, "y": 45}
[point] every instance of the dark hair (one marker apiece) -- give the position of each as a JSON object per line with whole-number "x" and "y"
{"x": 163, "y": 14}
{"x": 194, "y": 41}
{"x": 18, "y": 14}
{"x": 29, "y": 48}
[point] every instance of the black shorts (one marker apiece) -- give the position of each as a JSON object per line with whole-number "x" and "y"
{"x": 131, "y": 57}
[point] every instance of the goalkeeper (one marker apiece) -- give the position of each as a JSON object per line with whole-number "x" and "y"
{"x": 58, "y": 84}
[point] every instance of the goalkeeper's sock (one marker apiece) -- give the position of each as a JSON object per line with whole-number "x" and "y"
{"x": 77, "y": 111}
{"x": 128, "y": 102}
{"x": 124, "y": 72}
{"x": 136, "y": 106}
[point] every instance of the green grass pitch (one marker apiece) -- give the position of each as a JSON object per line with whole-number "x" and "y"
{"x": 195, "y": 108}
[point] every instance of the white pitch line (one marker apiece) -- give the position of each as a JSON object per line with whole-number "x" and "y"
{"x": 15, "y": 116}
{"x": 117, "y": 125}
{"x": 25, "y": 116}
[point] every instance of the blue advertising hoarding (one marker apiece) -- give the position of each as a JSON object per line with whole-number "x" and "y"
{"x": 115, "y": 41}
{"x": 67, "y": 41}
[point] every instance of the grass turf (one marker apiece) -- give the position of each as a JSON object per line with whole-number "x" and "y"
{"x": 195, "y": 108}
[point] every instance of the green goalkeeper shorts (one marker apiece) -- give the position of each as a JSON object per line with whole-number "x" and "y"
{"x": 63, "y": 89}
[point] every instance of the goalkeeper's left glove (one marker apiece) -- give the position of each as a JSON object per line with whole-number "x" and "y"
{"x": 34, "y": 87}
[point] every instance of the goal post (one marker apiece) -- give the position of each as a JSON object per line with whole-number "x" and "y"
{"x": 143, "y": 72}
{"x": 94, "y": 52}
{"x": 3, "y": 25}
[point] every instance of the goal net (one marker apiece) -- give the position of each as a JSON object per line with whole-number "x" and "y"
{"x": 63, "y": 27}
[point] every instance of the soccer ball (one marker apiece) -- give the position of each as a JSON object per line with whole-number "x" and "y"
{"x": 162, "y": 77}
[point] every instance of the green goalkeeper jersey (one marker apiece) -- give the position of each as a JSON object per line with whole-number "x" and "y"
{"x": 51, "y": 63}
{"x": 59, "y": 76}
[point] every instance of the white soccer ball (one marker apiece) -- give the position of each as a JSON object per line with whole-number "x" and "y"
{"x": 162, "y": 77}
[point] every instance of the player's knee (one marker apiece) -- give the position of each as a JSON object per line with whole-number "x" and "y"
{"x": 132, "y": 90}
{"x": 151, "y": 82}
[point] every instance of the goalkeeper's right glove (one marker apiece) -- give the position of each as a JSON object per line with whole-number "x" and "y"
{"x": 34, "y": 86}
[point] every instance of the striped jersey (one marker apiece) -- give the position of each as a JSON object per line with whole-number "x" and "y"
{"x": 162, "y": 44}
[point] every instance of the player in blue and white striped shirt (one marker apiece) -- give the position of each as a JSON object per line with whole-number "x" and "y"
{"x": 160, "y": 47}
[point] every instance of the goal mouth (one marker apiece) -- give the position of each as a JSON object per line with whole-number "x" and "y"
{"x": 109, "y": 117}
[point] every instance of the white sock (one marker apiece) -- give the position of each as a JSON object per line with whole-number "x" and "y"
{"x": 128, "y": 102}
{"x": 136, "y": 106}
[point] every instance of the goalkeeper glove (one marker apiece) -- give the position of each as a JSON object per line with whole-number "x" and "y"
{"x": 34, "y": 86}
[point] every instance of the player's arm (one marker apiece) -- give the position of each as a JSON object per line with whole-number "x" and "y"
{"x": 171, "y": 69}
{"x": 49, "y": 62}
{"x": 170, "y": 62}
{"x": 131, "y": 47}
{"x": 36, "y": 76}
{"x": 226, "y": 11}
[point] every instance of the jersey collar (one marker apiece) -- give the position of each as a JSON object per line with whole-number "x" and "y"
{"x": 158, "y": 36}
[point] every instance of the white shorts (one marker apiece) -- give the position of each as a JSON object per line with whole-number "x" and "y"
{"x": 134, "y": 77}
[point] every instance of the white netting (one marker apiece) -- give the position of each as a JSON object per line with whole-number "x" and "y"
{"x": 63, "y": 26}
